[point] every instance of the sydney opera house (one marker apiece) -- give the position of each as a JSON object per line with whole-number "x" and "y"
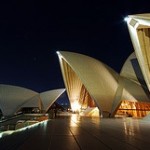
{"x": 93, "y": 88}
{"x": 13, "y": 99}
{"x": 96, "y": 89}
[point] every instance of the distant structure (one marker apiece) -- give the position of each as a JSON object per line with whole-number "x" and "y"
{"x": 95, "y": 89}
{"x": 15, "y": 99}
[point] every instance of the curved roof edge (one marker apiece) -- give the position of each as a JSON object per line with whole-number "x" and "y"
{"x": 49, "y": 97}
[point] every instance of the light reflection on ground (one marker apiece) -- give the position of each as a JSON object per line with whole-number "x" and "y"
{"x": 86, "y": 132}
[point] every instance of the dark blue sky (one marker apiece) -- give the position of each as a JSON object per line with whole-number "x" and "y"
{"x": 32, "y": 31}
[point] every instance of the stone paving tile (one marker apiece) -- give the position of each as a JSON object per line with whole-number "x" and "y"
{"x": 81, "y": 133}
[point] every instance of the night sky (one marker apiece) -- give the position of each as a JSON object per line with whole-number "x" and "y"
{"x": 32, "y": 31}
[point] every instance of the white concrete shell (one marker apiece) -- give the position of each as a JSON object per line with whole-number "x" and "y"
{"x": 139, "y": 29}
{"x": 49, "y": 97}
{"x": 130, "y": 67}
{"x": 13, "y": 97}
{"x": 33, "y": 102}
{"x": 107, "y": 88}
{"x": 100, "y": 81}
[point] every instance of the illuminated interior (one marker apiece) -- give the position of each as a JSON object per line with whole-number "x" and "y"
{"x": 88, "y": 82}
{"x": 79, "y": 97}
{"x": 133, "y": 109}
{"x": 90, "y": 112}
{"x": 85, "y": 99}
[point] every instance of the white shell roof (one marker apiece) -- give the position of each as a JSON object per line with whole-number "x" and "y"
{"x": 104, "y": 85}
{"x": 100, "y": 80}
{"x": 49, "y": 97}
{"x": 12, "y": 97}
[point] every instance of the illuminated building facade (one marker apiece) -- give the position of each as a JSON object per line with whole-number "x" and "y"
{"x": 92, "y": 84}
{"x": 93, "y": 88}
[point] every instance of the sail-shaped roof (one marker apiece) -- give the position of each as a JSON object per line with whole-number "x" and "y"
{"x": 49, "y": 97}
{"x": 139, "y": 29}
{"x": 12, "y": 97}
{"x": 99, "y": 80}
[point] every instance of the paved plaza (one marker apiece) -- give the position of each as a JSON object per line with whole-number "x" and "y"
{"x": 72, "y": 132}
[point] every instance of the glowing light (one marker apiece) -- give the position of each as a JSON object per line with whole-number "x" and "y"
{"x": 57, "y": 52}
{"x": 9, "y": 132}
{"x": 5, "y": 133}
{"x": 59, "y": 55}
{"x": 126, "y": 19}
{"x": 75, "y": 106}
{"x": 93, "y": 112}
